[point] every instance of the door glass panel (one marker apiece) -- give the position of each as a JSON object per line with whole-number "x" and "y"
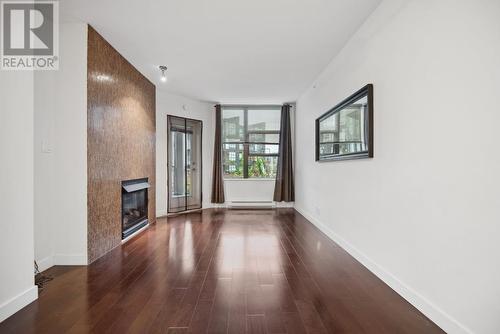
{"x": 176, "y": 159}
{"x": 184, "y": 164}
{"x": 193, "y": 164}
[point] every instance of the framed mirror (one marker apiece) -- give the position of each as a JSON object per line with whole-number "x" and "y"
{"x": 346, "y": 131}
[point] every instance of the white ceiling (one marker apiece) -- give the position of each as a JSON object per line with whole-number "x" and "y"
{"x": 228, "y": 51}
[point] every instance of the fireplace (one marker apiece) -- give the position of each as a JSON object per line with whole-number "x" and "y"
{"x": 134, "y": 205}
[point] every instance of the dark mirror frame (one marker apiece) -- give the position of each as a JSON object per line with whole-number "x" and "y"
{"x": 365, "y": 91}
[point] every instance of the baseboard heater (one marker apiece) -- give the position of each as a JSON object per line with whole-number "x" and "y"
{"x": 245, "y": 204}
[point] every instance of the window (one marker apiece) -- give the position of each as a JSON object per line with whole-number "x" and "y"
{"x": 231, "y": 129}
{"x": 250, "y": 141}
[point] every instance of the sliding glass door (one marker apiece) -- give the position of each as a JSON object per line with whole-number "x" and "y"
{"x": 184, "y": 164}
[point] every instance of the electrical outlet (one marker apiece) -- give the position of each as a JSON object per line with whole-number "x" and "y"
{"x": 46, "y": 148}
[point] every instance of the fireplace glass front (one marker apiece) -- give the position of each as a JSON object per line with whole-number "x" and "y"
{"x": 134, "y": 205}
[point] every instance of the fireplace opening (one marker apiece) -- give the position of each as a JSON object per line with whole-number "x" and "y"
{"x": 134, "y": 205}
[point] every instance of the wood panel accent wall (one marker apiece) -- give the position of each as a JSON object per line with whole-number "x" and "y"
{"x": 121, "y": 140}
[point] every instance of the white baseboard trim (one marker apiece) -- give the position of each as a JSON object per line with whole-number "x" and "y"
{"x": 70, "y": 259}
{"x": 62, "y": 260}
{"x": 45, "y": 263}
{"x": 429, "y": 309}
{"x": 285, "y": 204}
{"x": 161, "y": 213}
{"x": 16, "y": 303}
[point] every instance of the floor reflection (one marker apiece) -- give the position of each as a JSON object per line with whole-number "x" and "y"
{"x": 221, "y": 271}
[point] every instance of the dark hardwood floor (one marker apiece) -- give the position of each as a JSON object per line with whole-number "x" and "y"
{"x": 221, "y": 271}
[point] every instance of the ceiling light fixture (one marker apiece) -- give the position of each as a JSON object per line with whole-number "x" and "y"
{"x": 163, "y": 69}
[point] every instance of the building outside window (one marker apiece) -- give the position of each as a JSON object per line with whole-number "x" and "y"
{"x": 343, "y": 132}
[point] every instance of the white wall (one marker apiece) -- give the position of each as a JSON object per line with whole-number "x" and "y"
{"x": 61, "y": 154}
{"x": 424, "y": 213}
{"x": 250, "y": 190}
{"x": 17, "y": 287}
{"x": 171, "y": 104}
{"x": 44, "y": 93}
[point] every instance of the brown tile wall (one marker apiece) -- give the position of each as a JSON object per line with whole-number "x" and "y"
{"x": 121, "y": 140}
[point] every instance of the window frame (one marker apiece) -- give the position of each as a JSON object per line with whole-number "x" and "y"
{"x": 246, "y": 139}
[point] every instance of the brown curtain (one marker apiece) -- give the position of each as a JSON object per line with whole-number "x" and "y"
{"x": 284, "y": 189}
{"x": 217, "y": 178}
